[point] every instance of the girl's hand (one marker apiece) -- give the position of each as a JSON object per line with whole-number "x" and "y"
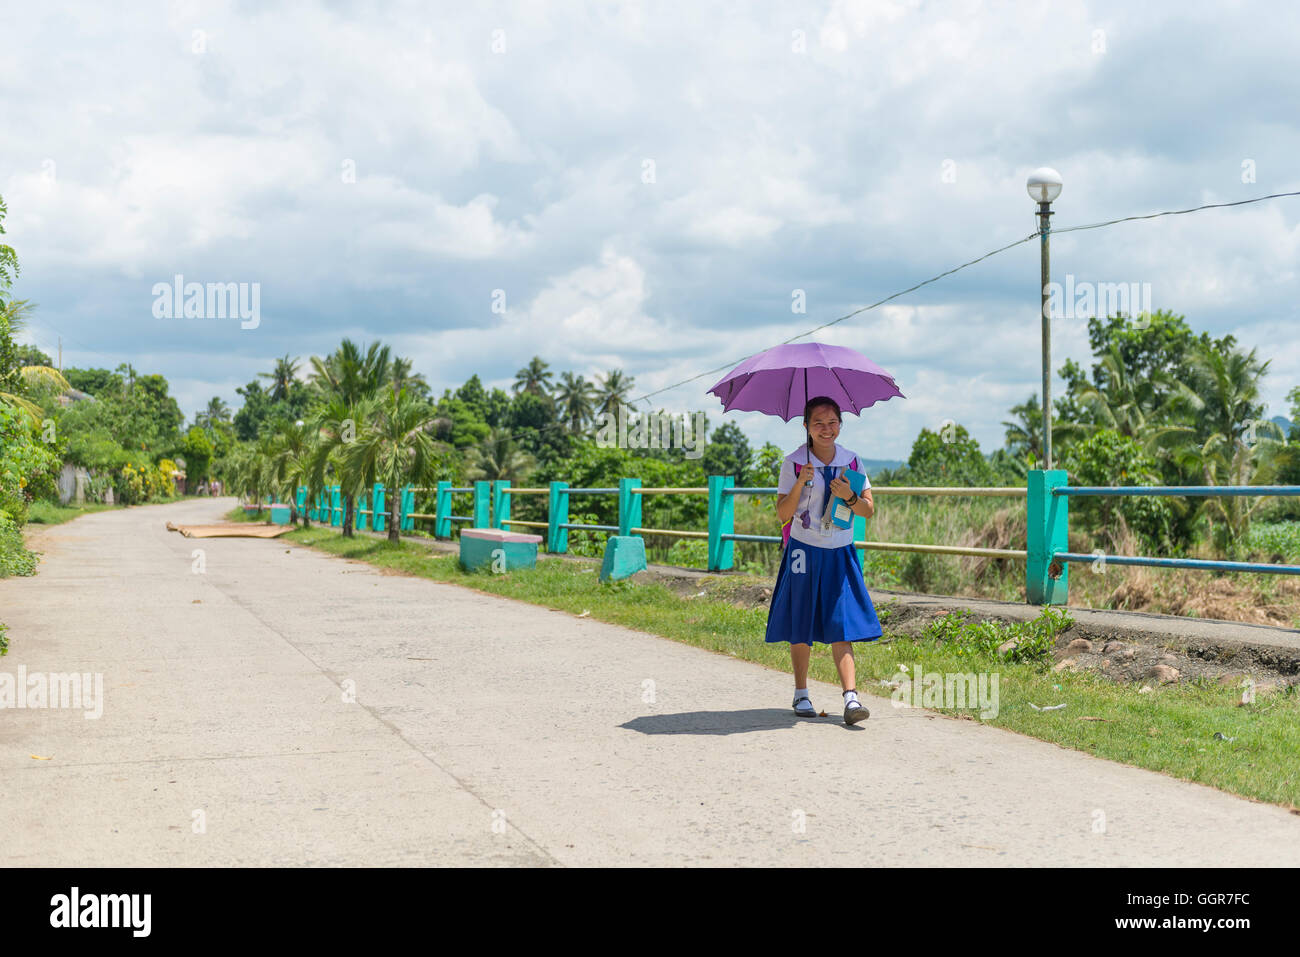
{"x": 841, "y": 487}
{"x": 802, "y": 473}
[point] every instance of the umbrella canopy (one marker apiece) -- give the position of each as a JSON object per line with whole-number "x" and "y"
{"x": 781, "y": 380}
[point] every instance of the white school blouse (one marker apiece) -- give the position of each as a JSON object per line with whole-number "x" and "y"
{"x": 814, "y": 499}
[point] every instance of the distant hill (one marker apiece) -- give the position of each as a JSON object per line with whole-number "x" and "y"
{"x": 1283, "y": 422}
{"x": 872, "y": 466}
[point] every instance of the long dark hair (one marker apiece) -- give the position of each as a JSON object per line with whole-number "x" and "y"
{"x": 814, "y": 403}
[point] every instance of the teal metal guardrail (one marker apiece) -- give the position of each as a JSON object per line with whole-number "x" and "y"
{"x": 370, "y": 510}
{"x": 1046, "y": 554}
{"x": 491, "y": 509}
{"x": 1047, "y": 574}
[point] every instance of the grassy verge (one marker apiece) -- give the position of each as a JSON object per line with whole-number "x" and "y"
{"x": 47, "y": 513}
{"x": 1170, "y": 729}
{"x": 238, "y": 514}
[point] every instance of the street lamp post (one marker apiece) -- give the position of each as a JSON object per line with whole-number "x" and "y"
{"x": 1044, "y": 185}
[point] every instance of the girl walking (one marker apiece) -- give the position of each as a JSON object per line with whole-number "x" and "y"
{"x": 820, "y": 595}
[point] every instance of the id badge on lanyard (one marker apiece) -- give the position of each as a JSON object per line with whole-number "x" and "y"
{"x": 823, "y": 528}
{"x": 827, "y": 529}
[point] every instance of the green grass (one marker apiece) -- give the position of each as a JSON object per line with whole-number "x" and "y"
{"x": 239, "y": 515}
{"x": 47, "y": 513}
{"x": 1170, "y": 730}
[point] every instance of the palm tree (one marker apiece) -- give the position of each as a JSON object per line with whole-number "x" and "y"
{"x": 1229, "y": 444}
{"x": 346, "y": 380}
{"x": 1010, "y": 465}
{"x": 1218, "y": 462}
{"x": 291, "y": 449}
{"x": 1024, "y": 435}
{"x": 575, "y": 396}
{"x": 1128, "y": 405}
{"x": 534, "y": 378}
{"x": 128, "y": 377}
{"x": 1024, "y": 438}
{"x": 248, "y": 470}
{"x": 17, "y": 311}
{"x": 31, "y": 379}
{"x": 499, "y": 458}
{"x": 282, "y": 378}
{"x": 612, "y": 391}
{"x": 394, "y": 446}
{"x": 401, "y": 377}
{"x": 35, "y": 379}
{"x": 351, "y": 375}
{"x": 215, "y": 414}
{"x": 336, "y": 424}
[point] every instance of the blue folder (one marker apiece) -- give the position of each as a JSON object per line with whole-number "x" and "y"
{"x": 841, "y": 516}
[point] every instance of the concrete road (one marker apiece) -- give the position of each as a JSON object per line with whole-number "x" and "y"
{"x": 283, "y": 707}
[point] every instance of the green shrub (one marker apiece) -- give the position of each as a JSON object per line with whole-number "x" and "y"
{"x": 689, "y": 553}
{"x": 586, "y": 542}
{"x": 964, "y": 638}
{"x": 1108, "y": 459}
{"x": 27, "y": 466}
{"x": 1276, "y": 538}
{"x": 15, "y": 559}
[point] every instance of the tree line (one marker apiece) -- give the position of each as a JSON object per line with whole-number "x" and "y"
{"x": 1159, "y": 405}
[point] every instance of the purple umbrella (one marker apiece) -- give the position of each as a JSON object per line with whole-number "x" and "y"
{"x": 781, "y": 380}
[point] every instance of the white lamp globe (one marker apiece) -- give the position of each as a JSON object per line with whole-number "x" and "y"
{"x": 1044, "y": 184}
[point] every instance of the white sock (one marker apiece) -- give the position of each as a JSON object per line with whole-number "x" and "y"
{"x": 851, "y": 697}
{"x": 800, "y": 693}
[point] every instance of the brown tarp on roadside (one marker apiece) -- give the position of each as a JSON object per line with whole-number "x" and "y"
{"x": 230, "y": 530}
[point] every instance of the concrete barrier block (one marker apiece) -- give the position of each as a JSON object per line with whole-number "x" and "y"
{"x": 624, "y": 557}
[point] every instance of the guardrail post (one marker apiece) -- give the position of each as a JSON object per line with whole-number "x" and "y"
{"x": 722, "y": 521}
{"x": 378, "y": 516}
{"x": 363, "y": 505}
{"x": 557, "y": 539}
{"x": 405, "y": 506}
{"x": 441, "y": 509}
{"x": 1048, "y": 532}
{"x": 500, "y": 503}
{"x": 629, "y": 505}
{"x": 336, "y": 506}
{"x": 300, "y": 499}
{"x": 481, "y": 503}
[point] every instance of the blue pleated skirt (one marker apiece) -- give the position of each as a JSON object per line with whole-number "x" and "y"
{"x": 823, "y": 599}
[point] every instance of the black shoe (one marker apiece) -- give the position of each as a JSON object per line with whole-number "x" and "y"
{"x": 807, "y": 711}
{"x": 853, "y": 713}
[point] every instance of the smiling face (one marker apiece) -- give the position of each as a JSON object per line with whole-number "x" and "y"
{"x": 823, "y": 425}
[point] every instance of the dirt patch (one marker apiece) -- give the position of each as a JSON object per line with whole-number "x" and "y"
{"x": 1153, "y": 663}
{"x": 1132, "y": 655}
{"x": 1222, "y": 599}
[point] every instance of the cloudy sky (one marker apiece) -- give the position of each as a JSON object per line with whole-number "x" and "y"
{"x": 645, "y": 186}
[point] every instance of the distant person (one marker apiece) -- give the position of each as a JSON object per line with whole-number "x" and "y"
{"x": 820, "y": 595}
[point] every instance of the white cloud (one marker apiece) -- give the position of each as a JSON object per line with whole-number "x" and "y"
{"x": 775, "y": 170}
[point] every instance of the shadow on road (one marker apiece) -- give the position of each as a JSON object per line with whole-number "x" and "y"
{"x": 729, "y": 722}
